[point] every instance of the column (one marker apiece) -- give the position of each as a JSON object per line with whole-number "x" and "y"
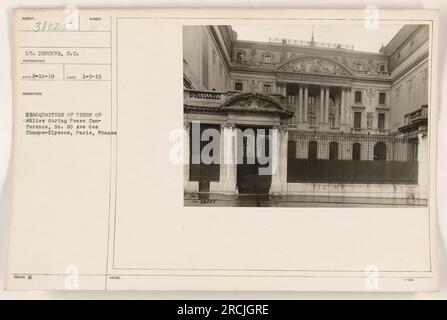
{"x": 300, "y": 104}
{"x": 279, "y": 161}
{"x": 342, "y": 106}
{"x": 186, "y": 156}
{"x": 305, "y": 103}
{"x": 321, "y": 104}
{"x": 228, "y": 163}
{"x": 297, "y": 107}
{"x": 423, "y": 164}
{"x": 326, "y": 106}
{"x": 348, "y": 106}
{"x": 284, "y": 135}
{"x": 279, "y": 88}
{"x": 275, "y": 188}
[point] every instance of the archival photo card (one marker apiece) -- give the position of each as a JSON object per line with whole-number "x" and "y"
{"x": 224, "y": 149}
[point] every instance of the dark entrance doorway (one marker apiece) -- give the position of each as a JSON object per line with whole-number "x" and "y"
{"x": 333, "y": 151}
{"x": 380, "y": 151}
{"x": 253, "y": 148}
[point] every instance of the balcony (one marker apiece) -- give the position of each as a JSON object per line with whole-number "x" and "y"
{"x": 374, "y": 131}
{"x": 204, "y": 97}
{"x": 372, "y": 74}
{"x": 416, "y": 120}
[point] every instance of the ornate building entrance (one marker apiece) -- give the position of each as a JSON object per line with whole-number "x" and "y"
{"x": 254, "y": 174}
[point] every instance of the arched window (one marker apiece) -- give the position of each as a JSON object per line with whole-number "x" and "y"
{"x": 268, "y": 58}
{"x": 382, "y": 68}
{"x": 291, "y": 149}
{"x": 380, "y": 151}
{"x": 240, "y": 55}
{"x": 356, "y": 151}
{"x": 311, "y": 118}
{"x": 331, "y": 120}
{"x": 313, "y": 150}
{"x": 333, "y": 151}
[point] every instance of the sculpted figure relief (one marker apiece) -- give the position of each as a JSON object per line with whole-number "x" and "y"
{"x": 369, "y": 120}
{"x": 314, "y": 65}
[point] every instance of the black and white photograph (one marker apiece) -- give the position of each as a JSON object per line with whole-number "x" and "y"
{"x": 306, "y": 115}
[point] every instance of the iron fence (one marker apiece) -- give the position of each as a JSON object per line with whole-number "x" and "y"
{"x": 352, "y": 171}
{"x": 204, "y": 172}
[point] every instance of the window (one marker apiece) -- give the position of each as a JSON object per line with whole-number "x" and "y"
{"x": 313, "y": 150}
{"x": 356, "y": 151}
{"x": 290, "y": 99}
{"x": 238, "y": 86}
{"x": 311, "y": 100}
{"x": 381, "y": 121}
{"x": 357, "y": 120}
{"x": 331, "y": 120}
{"x": 267, "y": 88}
{"x": 358, "y": 97}
{"x": 268, "y": 58}
{"x": 382, "y": 68}
{"x": 333, "y": 151}
{"x": 382, "y": 98}
{"x": 311, "y": 118}
{"x": 358, "y": 66}
{"x": 380, "y": 151}
{"x": 240, "y": 55}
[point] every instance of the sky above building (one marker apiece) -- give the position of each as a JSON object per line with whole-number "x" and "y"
{"x": 362, "y": 38}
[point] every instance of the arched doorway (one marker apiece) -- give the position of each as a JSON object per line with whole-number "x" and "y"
{"x": 356, "y": 151}
{"x": 380, "y": 151}
{"x": 313, "y": 150}
{"x": 291, "y": 149}
{"x": 333, "y": 151}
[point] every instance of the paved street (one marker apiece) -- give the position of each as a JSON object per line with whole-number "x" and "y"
{"x": 216, "y": 200}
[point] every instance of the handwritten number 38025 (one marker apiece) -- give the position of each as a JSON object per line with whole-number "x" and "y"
{"x": 49, "y": 26}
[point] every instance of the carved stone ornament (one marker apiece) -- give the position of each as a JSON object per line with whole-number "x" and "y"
{"x": 257, "y": 103}
{"x": 253, "y": 52}
{"x": 369, "y": 120}
{"x": 253, "y": 85}
{"x": 253, "y": 101}
{"x": 314, "y": 65}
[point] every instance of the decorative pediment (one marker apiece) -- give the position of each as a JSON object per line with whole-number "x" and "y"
{"x": 314, "y": 65}
{"x": 255, "y": 102}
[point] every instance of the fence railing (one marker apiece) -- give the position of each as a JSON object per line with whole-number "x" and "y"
{"x": 352, "y": 171}
{"x": 312, "y": 43}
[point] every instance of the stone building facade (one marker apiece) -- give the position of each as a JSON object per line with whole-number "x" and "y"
{"x": 324, "y": 102}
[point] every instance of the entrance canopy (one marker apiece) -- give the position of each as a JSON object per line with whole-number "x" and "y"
{"x": 243, "y": 103}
